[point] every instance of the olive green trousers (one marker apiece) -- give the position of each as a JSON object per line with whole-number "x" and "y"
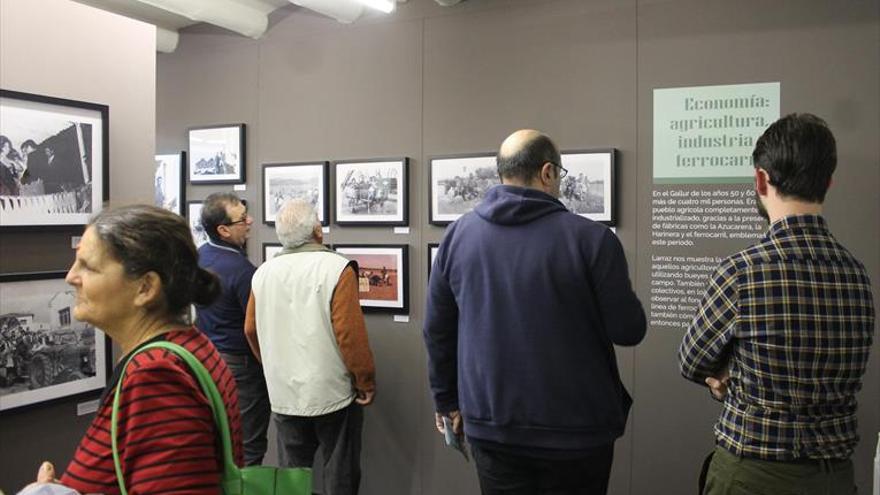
{"x": 730, "y": 474}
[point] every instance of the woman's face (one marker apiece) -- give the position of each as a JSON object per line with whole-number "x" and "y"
{"x": 104, "y": 293}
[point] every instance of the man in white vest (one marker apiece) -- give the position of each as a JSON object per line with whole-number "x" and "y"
{"x": 304, "y": 322}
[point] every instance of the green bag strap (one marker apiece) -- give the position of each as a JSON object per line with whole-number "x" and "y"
{"x": 208, "y": 387}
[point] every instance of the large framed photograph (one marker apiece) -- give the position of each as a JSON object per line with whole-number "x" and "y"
{"x": 168, "y": 182}
{"x": 283, "y": 181}
{"x": 46, "y": 355}
{"x": 383, "y": 278}
{"x": 194, "y": 216}
{"x": 372, "y": 192}
{"x": 589, "y": 187}
{"x": 217, "y": 154}
{"x": 271, "y": 249}
{"x": 458, "y": 183}
{"x": 54, "y": 160}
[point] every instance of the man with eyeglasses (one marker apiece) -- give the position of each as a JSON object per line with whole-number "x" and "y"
{"x": 526, "y": 301}
{"x": 227, "y": 223}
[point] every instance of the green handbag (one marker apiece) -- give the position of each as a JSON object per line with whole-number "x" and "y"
{"x": 253, "y": 480}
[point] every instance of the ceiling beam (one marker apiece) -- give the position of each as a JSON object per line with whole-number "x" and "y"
{"x": 229, "y": 14}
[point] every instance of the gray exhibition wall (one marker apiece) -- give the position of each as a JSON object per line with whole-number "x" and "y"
{"x": 433, "y": 81}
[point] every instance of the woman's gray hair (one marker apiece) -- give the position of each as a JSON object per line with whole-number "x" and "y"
{"x": 295, "y": 223}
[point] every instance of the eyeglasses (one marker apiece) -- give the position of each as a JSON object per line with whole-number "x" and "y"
{"x": 562, "y": 170}
{"x": 243, "y": 219}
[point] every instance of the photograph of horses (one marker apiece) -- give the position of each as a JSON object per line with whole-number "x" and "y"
{"x": 383, "y": 279}
{"x": 53, "y": 160}
{"x": 588, "y": 189}
{"x": 458, "y": 183}
{"x": 371, "y": 192}
{"x": 46, "y": 354}
{"x": 283, "y": 181}
{"x": 216, "y": 154}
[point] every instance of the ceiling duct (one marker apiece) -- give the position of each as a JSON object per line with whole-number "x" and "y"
{"x": 228, "y": 14}
{"x": 166, "y": 40}
{"x": 345, "y": 11}
{"x": 448, "y": 3}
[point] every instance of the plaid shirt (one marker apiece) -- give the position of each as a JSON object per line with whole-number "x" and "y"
{"x": 792, "y": 318}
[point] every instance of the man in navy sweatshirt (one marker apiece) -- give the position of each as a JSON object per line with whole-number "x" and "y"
{"x": 225, "y": 218}
{"x": 525, "y": 303}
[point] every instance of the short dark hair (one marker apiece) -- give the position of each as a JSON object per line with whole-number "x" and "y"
{"x": 145, "y": 238}
{"x": 214, "y": 212}
{"x": 526, "y": 162}
{"x": 799, "y": 154}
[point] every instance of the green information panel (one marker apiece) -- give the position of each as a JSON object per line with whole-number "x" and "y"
{"x": 705, "y": 135}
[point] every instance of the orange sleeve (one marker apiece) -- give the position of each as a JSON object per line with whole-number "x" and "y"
{"x": 250, "y": 327}
{"x": 351, "y": 331}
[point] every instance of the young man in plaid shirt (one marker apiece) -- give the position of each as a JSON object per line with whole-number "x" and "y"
{"x": 783, "y": 332}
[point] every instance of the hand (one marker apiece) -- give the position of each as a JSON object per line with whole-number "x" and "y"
{"x": 365, "y": 397}
{"x": 455, "y": 416}
{"x": 46, "y": 474}
{"x": 718, "y": 384}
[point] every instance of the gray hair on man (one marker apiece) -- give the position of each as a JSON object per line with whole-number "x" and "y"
{"x": 296, "y": 222}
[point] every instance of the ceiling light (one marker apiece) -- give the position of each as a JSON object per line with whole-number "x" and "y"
{"x": 386, "y": 6}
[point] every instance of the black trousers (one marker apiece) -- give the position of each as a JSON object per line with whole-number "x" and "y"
{"x": 502, "y": 473}
{"x": 253, "y": 401}
{"x": 339, "y": 436}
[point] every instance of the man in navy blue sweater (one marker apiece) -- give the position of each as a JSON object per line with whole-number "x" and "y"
{"x": 526, "y": 301}
{"x": 227, "y": 223}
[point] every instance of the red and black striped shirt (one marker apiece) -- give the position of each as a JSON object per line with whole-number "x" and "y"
{"x": 167, "y": 439}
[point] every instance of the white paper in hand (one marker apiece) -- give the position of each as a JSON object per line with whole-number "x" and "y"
{"x": 452, "y": 440}
{"x": 47, "y": 489}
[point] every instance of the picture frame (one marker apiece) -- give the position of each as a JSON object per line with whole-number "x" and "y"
{"x": 53, "y": 356}
{"x": 371, "y": 192}
{"x": 589, "y": 189}
{"x": 270, "y": 249}
{"x": 308, "y": 180}
{"x": 433, "y": 248}
{"x": 380, "y": 288}
{"x": 54, "y": 161}
{"x": 216, "y": 154}
{"x": 457, "y": 183}
{"x": 168, "y": 182}
{"x": 194, "y": 217}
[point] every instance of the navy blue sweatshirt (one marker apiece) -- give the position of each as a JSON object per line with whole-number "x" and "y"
{"x": 223, "y": 321}
{"x": 525, "y": 303}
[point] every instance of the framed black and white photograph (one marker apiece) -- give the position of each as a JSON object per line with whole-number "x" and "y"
{"x": 433, "y": 247}
{"x": 54, "y": 160}
{"x": 283, "y": 181}
{"x": 588, "y": 189}
{"x": 194, "y": 216}
{"x": 270, "y": 249}
{"x": 371, "y": 192}
{"x": 168, "y": 182}
{"x": 383, "y": 278}
{"x": 217, "y": 154}
{"x": 458, "y": 183}
{"x": 45, "y": 354}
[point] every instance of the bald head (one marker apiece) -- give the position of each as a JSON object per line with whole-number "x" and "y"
{"x": 523, "y": 154}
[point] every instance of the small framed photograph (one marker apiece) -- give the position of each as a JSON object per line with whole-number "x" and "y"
{"x": 270, "y": 249}
{"x": 217, "y": 154}
{"x": 168, "y": 182}
{"x": 54, "y": 161}
{"x": 433, "y": 247}
{"x": 283, "y": 181}
{"x": 194, "y": 216}
{"x": 589, "y": 187}
{"x": 383, "y": 278}
{"x": 372, "y": 192}
{"x": 458, "y": 183}
{"x": 45, "y": 354}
